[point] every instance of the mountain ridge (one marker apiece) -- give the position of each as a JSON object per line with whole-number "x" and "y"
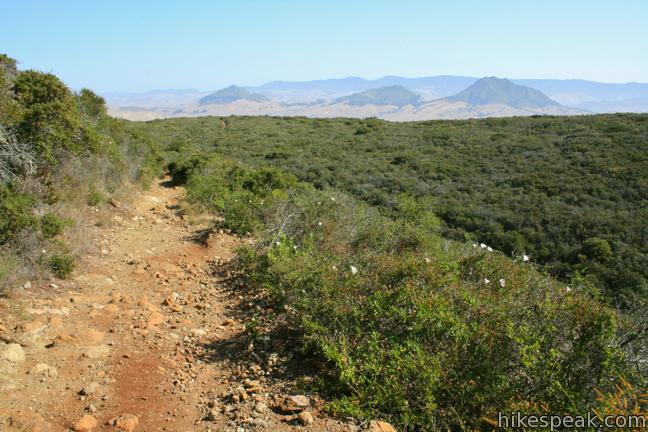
{"x": 575, "y": 93}
{"x": 389, "y": 95}
{"x": 493, "y": 90}
{"x": 231, "y": 94}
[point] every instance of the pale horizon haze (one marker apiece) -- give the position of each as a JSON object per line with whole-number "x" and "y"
{"x": 145, "y": 45}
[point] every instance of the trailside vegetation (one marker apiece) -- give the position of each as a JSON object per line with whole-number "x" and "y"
{"x": 58, "y": 149}
{"x": 404, "y": 325}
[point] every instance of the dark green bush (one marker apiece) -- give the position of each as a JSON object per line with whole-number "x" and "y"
{"x": 91, "y": 105}
{"x": 240, "y": 194}
{"x": 15, "y": 213}
{"x": 61, "y": 265}
{"x": 51, "y": 225}
{"x": 9, "y": 108}
{"x": 180, "y": 170}
{"x": 50, "y": 121}
{"x": 95, "y": 197}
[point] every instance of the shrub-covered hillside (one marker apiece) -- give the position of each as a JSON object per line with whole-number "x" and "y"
{"x": 401, "y": 324}
{"x": 571, "y": 192}
{"x": 58, "y": 151}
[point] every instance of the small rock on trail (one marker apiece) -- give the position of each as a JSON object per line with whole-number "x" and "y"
{"x": 87, "y": 423}
{"x": 125, "y": 422}
{"x": 13, "y": 353}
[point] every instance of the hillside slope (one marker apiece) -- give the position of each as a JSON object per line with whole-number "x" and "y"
{"x": 492, "y": 90}
{"x": 393, "y": 95}
{"x": 231, "y": 94}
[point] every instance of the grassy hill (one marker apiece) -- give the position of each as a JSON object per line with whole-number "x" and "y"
{"x": 550, "y": 187}
{"x": 493, "y": 90}
{"x": 231, "y": 94}
{"x": 392, "y": 95}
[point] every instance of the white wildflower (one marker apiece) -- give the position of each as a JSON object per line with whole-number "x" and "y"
{"x": 319, "y": 224}
{"x": 354, "y": 270}
{"x": 482, "y": 245}
{"x": 502, "y": 283}
{"x": 489, "y": 249}
{"x": 526, "y": 258}
{"x": 474, "y": 245}
{"x": 568, "y": 289}
{"x": 428, "y": 260}
{"x": 486, "y": 281}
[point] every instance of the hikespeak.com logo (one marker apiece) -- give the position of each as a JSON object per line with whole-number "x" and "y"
{"x": 519, "y": 420}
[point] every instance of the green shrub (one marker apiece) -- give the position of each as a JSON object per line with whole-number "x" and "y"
{"x": 51, "y": 225}
{"x": 181, "y": 170}
{"x": 8, "y": 264}
{"x": 596, "y": 249}
{"x": 50, "y": 120}
{"x": 95, "y": 197}
{"x": 9, "y": 107}
{"x": 61, "y": 265}
{"x": 90, "y": 104}
{"x": 241, "y": 212}
{"x": 15, "y": 213}
{"x": 239, "y": 194}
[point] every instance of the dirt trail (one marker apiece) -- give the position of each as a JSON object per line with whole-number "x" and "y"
{"x": 138, "y": 338}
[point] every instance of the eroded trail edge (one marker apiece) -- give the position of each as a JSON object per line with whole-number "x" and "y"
{"x": 143, "y": 337}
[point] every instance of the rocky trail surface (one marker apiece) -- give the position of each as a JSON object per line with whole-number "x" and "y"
{"x": 145, "y": 336}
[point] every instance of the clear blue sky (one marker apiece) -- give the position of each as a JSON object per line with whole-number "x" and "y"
{"x": 138, "y": 45}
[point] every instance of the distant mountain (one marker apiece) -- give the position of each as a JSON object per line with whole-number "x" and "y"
{"x": 571, "y": 92}
{"x": 430, "y": 87}
{"x": 501, "y": 91}
{"x": 392, "y": 95}
{"x": 591, "y": 95}
{"x": 232, "y": 94}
